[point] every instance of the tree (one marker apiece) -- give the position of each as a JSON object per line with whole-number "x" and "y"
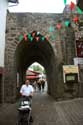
{"x": 37, "y": 68}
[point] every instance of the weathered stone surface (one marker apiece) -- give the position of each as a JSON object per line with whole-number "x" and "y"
{"x": 52, "y": 55}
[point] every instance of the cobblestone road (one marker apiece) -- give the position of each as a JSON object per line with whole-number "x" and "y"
{"x": 46, "y": 111}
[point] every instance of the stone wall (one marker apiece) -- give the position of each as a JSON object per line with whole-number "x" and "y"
{"x": 26, "y": 23}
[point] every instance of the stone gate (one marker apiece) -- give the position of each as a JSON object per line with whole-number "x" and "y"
{"x": 57, "y": 49}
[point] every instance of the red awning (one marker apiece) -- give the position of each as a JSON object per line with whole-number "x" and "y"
{"x": 29, "y": 72}
{"x": 32, "y": 77}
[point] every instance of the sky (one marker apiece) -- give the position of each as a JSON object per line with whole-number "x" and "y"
{"x": 40, "y": 6}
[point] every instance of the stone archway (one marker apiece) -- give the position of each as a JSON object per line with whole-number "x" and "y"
{"x": 54, "y": 54}
{"x": 20, "y": 55}
{"x": 22, "y": 24}
{"x": 38, "y": 50}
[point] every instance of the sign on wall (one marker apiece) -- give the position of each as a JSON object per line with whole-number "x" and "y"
{"x": 78, "y": 61}
{"x": 70, "y": 69}
{"x": 70, "y": 73}
{"x": 79, "y": 48}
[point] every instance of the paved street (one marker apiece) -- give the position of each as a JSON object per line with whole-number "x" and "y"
{"x": 46, "y": 111}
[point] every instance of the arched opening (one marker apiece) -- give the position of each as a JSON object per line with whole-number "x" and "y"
{"x": 38, "y": 50}
{"x": 38, "y": 77}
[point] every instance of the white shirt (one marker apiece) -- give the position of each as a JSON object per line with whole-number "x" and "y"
{"x": 26, "y": 90}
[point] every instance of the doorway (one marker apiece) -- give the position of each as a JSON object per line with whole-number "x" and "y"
{"x": 38, "y": 50}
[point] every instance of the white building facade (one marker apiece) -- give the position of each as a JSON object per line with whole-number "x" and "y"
{"x": 3, "y": 11}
